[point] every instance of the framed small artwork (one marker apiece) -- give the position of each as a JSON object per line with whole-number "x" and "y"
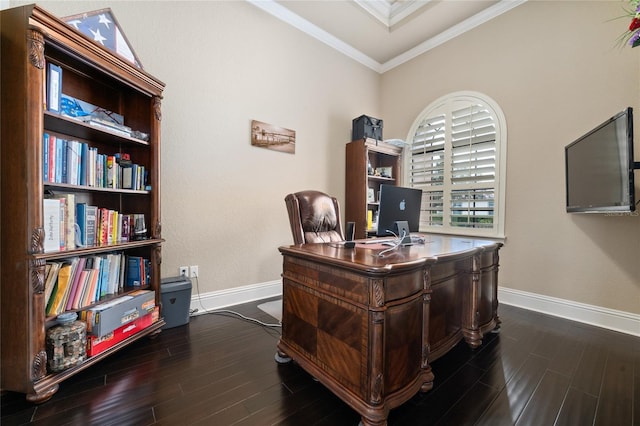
{"x": 371, "y": 195}
{"x": 102, "y": 27}
{"x": 268, "y": 136}
{"x": 384, "y": 172}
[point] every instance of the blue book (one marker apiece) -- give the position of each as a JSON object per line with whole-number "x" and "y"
{"x": 84, "y": 158}
{"x": 134, "y": 277}
{"x": 81, "y": 220}
{"x": 104, "y": 275}
{"x": 45, "y": 150}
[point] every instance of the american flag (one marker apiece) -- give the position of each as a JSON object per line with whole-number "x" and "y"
{"x": 102, "y": 28}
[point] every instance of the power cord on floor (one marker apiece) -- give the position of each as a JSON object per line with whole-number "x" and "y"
{"x": 227, "y": 312}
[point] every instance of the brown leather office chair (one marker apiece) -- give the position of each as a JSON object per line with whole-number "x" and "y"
{"x": 314, "y": 217}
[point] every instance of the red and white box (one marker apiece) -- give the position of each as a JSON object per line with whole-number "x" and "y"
{"x": 96, "y": 345}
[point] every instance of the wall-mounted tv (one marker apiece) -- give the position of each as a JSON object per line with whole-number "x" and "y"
{"x": 599, "y": 168}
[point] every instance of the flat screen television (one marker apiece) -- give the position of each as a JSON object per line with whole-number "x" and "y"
{"x": 398, "y": 203}
{"x": 599, "y": 168}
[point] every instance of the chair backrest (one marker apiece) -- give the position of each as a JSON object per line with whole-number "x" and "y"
{"x": 314, "y": 217}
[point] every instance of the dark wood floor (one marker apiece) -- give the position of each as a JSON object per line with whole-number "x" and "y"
{"x": 220, "y": 370}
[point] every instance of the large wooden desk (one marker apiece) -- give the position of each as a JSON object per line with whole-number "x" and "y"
{"x": 368, "y": 326}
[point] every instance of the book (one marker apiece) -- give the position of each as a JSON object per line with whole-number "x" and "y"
{"x": 76, "y": 285}
{"x": 114, "y": 227}
{"x": 45, "y": 157}
{"x": 57, "y": 301}
{"x": 92, "y": 282}
{"x": 83, "y": 161}
{"x": 102, "y": 126}
{"x": 54, "y": 87}
{"x": 50, "y": 280}
{"x": 125, "y": 220}
{"x": 91, "y": 225}
{"x": 127, "y": 177}
{"x": 103, "y": 226}
{"x": 84, "y": 289}
{"x": 121, "y": 274}
{"x": 104, "y": 275}
{"x": 81, "y": 220}
{"x": 52, "y": 158}
{"x": 68, "y": 171}
{"x": 69, "y": 222}
{"x": 57, "y": 177}
{"x": 134, "y": 275}
{"x": 114, "y": 271}
{"x": 74, "y": 266}
{"x": 95, "y": 278}
{"x": 112, "y": 172}
{"x": 63, "y": 222}
{"x": 51, "y": 210}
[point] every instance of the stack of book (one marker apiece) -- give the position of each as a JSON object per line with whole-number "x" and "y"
{"x": 76, "y": 163}
{"x": 74, "y": 283}
{"x": 69, "y": 225}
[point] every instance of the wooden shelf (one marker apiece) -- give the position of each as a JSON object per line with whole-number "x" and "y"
{"x": 359, "y": 155}
{"x": 32, "y": 39}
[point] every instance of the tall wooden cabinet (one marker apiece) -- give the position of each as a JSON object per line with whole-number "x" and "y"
{"x": 369, "y": 164}
{"x": 32, "y": 38}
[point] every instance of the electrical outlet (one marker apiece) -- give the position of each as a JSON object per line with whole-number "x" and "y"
{"x": 193, "y": 271}
{"x": 183, "y": 271}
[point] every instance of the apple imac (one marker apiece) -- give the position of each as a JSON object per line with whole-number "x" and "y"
{"x": 398, "y": 203}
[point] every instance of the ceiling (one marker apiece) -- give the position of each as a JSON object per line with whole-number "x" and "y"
{"x": 382, "y": 34}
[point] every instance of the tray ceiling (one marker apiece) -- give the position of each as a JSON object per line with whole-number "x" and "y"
{"x": 385, "y": 33}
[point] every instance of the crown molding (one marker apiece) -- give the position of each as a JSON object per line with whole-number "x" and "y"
{"x": 284, "y": 14}
{"x": 453, "y": 32}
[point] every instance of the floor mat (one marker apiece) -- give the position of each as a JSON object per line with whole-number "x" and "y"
{"x": 273, "y": 308}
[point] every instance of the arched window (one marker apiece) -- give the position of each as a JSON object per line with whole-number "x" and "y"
{"x": 457, "y": 157}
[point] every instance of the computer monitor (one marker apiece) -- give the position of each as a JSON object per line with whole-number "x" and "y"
{"x": 398, "y": 203}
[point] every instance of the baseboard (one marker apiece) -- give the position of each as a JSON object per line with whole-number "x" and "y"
{"x": 202, "y": 302}
{"x": 624, "y": 322}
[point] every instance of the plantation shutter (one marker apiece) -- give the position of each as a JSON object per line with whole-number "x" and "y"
{"x": 454, "y": 159}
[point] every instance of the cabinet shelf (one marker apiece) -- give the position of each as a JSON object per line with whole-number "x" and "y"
{"x": 78, "y": 129}
{"x": 32, "y": 38}
{"x": 48, "y": 384}
{"x": 85, "y": 251}
{"x": 83, "y": 188}
{"x": 380, "y": 178}
{"x": 361, "y": 156}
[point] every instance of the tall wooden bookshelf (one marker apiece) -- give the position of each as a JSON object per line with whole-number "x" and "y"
{"x": 32, "y": 38}
{"x": 364, "y": 160}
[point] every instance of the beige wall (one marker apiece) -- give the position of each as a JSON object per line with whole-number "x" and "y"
{"x": 556, "y": 71}
{"x": 553, "y": 67}
{"x": 225, "y": 64}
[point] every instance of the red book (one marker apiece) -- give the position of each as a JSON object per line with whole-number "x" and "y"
{"x": 103, "y": 226}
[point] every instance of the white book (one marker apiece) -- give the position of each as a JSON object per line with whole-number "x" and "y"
{"x": 51, "y": 210}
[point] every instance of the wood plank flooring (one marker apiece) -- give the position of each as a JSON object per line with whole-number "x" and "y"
{"x": 220, "y": 370}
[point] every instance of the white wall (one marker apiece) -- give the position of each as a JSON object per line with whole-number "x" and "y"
{"x": 553, "y": 67}
{"x": 556, "y": 71}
